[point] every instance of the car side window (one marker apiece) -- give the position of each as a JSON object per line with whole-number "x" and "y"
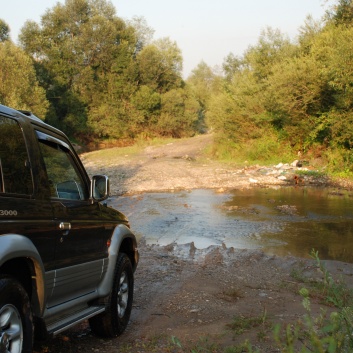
{"x": 15, "y": 171}
{"x": 64, "y": 178}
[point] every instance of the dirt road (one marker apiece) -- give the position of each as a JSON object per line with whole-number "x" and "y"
{"x": 206, "y": 299}
{"x": 183, "y": 165}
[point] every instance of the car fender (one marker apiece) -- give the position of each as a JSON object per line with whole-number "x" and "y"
{"x": 120, "y": 233}
{"x": 14, "y": 246}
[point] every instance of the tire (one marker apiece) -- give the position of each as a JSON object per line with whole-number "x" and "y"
{"x": 16, "y": 324}
{"x": 113, "y": 321}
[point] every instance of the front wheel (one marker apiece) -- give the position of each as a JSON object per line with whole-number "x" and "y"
{"x": 16, "y": 328}
{"x": 114, "y": 320}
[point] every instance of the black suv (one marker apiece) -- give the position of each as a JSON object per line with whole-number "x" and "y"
{"x": 64, "y": 255}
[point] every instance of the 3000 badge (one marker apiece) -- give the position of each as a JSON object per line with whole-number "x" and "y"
{"x": 8, "y": 213}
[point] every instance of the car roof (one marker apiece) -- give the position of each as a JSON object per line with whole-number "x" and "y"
{"x": 27, "y": 115}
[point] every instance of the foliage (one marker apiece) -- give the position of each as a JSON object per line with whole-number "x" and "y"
{"x": 231, "y": 65}
{"x": 297, "y": 93}
{"x": 160, "y": 65}
{"x": 4, "y": 31}
{"x": 19, "y": 86}
{"x": 203, "y": 83}
{"x": 143, "y": 32}
{"x": 340, "y": 162}
{"x": 241, "y": 324}
{"x": 104, "y": 76}
{"x": 326, "y": 333}
{"x": 265, "y": 150}
{"x": 292, "y": 107}
{"x": 178, "y": 114}
{"x": 311, "y": 173}
{"x": 335, "y": 291}
{"x": 342, "y": 12}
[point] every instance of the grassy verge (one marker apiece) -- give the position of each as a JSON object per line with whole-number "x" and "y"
{"x": 106, "y": 155}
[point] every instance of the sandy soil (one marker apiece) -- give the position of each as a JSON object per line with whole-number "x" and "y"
{"x": 183, "y": 165}
{"x": 198, "y": 296}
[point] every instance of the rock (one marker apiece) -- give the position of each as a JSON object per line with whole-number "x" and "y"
{"x": 287, "y": 209}
{"x": 297, "y": 164}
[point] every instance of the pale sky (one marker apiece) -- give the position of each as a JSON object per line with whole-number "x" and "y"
{"x": 204, "y": 30}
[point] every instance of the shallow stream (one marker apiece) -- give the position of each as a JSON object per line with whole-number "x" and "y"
{"x": 281, "y": 221}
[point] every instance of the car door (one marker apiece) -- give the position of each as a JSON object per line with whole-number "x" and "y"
{"x": 24, "y": 203}
{"x": 81, "y": 235}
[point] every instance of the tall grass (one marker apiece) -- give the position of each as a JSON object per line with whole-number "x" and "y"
{"x": 265, "y": 150}
{"x": 328, "y": 332}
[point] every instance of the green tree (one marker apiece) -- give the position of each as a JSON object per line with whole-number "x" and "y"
{"x": 203, "y": 83}
{"x": 238, "y": 112}
{"x": 231, "y": 65}
{"x": 148, "y": 103}
{"x": 295, "y": 98}
{"x": 102, "y": 76}
{"x": 160, "y": 65}
{"x": 272, "y": 47}
{"x": 202, "y": 79}
{"x": 342, "y": 12}
{"x": 4, "y": 31}
{"x": 178, "y": 114}
{"x": 19, "y": 87}
{"x": 76, "y": 48}
{"x": 245, "y": 111}
{"x": 144, "y": 33}
{"x": 333, "y": 51}
{"x": 308, "y": 32}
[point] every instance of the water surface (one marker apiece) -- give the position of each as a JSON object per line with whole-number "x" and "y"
{"x": 282, "y": 221}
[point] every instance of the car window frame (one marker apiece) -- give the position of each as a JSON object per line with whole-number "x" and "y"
{"x": 3, "y": 191}
{"x": 44, "y": 137}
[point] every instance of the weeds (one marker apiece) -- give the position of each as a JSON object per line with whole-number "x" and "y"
{"x": 326, "y": 333}
{"x": 152, "y": 344}
{"x": 335, "y": 291}
{"x": 297, "y": 273}
{"x": 232, "y": 294}
{"x": 263, "y": 150}
{"x": 240, "y": 324}
{"x": 311, "y": 173}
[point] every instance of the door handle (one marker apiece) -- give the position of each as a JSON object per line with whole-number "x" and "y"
{"x": 65, "y": 226}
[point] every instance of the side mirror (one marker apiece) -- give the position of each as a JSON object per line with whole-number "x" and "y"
{"x": 99, "y": 188}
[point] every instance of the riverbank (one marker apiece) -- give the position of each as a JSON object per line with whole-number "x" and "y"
{"x": 212, "y": 299}
{"x": 182, "y": 165}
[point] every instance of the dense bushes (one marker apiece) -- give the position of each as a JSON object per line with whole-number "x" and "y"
{"x": 296, "y": 94}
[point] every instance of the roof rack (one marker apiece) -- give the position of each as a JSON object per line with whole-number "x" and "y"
{"x": 25, "y": 112}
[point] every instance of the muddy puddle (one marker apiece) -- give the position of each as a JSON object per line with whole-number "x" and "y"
{"x": 281, "y": 221}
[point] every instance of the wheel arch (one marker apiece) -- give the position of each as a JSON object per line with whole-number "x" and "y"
{"x": 20, "y": 259}
{"x": 122, "y": 241}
